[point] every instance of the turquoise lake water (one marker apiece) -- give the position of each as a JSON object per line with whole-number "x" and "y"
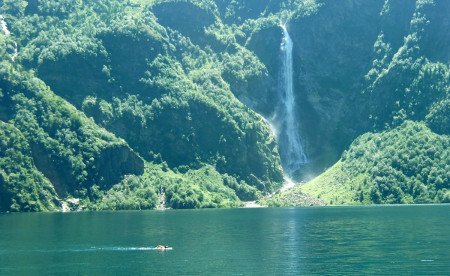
{"x": 392, "y": 240}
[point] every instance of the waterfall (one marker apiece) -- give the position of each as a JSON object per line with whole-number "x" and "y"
{"x": 3, "y": 26}
{"x": 292, "y": 151}
{"x": 6, "y": 32}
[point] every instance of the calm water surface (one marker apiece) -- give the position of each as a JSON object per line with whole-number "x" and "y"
{"x": 391, "y": 240}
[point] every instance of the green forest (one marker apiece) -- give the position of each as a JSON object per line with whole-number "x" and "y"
{"x": 153, "y": 104}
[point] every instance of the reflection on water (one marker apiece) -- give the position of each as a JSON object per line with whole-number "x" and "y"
{"x": 345, "y": 240}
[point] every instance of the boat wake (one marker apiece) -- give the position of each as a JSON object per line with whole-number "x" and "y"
{"x": 89, "y": 249}
{"x": 122, "y": 248}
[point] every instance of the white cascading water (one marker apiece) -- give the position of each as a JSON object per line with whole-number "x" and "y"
{"x": 292, "y": 150}
{"x": 6, "y": 32}
{"x": 3, "y": 26}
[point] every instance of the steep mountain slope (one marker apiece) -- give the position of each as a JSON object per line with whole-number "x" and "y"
{"x": 22, "y": 186}
{"x": 148, "y": 85}
{"x": 409, "y": 79}
{"x": 408, "y": 164}
{"x": 124, "y": 103}
{"x": 68, "y": 148}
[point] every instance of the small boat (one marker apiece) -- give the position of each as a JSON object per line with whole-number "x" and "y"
{"x": 163, "y": 247}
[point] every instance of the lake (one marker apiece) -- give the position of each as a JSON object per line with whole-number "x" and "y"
{"x": 286, "y": 241}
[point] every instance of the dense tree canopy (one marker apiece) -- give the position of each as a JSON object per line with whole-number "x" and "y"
{"x": 124, "y": 104}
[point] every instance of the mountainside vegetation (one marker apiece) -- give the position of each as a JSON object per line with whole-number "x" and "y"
{"x": 399, "y": 161}
{"x": 405, "y": 165}
{"x": 144, "y": 104}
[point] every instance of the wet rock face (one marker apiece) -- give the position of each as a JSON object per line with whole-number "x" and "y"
{"x": 262, "y": 92}
{"x": 332, "y": 53}
{"x": 116, "y": 161}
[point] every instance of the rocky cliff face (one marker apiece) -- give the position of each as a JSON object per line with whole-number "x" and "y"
{"x": 60, "y": 143}
{"x": 338, "y": 50}
{"x": 148, "y": 78}
{"x": 369, "y": 66}
{"x": 22, "y": 186}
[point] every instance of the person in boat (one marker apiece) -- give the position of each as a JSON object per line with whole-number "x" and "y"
{"x": 162, "y": 247}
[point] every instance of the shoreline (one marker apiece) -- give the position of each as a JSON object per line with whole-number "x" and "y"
{"x": 256, "y": 206}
